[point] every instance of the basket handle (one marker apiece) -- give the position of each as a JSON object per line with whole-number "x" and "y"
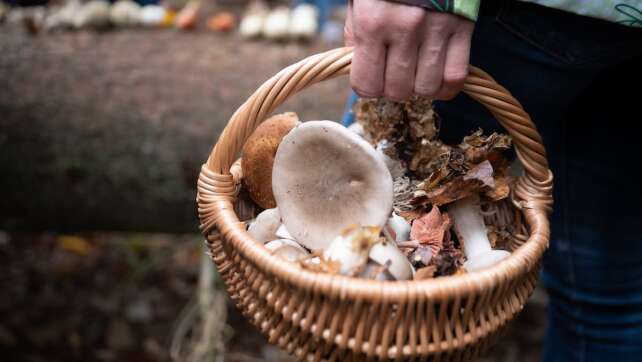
{"x": 533, "y": 190}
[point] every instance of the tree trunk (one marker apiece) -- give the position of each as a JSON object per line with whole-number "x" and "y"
{"x": 108, "y": 131}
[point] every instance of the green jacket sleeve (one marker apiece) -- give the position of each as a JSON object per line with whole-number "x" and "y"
{"x": 466, "y": 8}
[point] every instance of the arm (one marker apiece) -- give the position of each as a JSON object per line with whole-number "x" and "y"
{"x": 403, "y": 49}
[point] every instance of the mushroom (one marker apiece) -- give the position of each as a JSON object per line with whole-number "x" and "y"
{"x": 351, "y": 248}
{"x": 376, "y": 271}
{"x": 258, "y": 156}
{"x": 397, "y": 228}
{"x": 386, "y": 253}
{"x": 283, "y": 233}
{"x": 471, "y": 231}
{"x": 287, "y": 249}
{"x": 93, "y": 14}
{"x": 303, "y": 22}
{"x": 125, "y": 13}
{"x": 395, "y": 166}
{"x": 264, "y": 227}
{"x": 277, "y": 23}
{"x": 253, "y": 19}
{"x": 155, "y": 15}
{"x": 326, "y": 178}
{"x": 357, "y": 128}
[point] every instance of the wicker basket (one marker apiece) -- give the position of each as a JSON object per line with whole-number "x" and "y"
{"x": 318, "y": 316}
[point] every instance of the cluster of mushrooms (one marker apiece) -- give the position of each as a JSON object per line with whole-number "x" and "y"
{"x": 383, "y": 199}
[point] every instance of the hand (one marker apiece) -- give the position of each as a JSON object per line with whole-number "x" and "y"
{"x": 400, "y": 50}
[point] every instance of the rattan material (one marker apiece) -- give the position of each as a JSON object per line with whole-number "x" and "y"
{"x": 319, "y": 316}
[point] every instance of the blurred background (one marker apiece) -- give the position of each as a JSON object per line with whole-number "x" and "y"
{"x": 107, "y": 111}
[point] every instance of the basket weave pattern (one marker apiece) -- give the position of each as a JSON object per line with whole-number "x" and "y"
{"x": 319, "y": 316}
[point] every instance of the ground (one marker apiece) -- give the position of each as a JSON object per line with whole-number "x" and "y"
{"x": 118, "y": 297}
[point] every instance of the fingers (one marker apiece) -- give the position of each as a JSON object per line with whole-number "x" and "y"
{"x": 369, "y": 58}
{"x": 430, "y": 65}
{"x": 432, "y": 55}
{"x": 400, "y": 50}
{"x": 401, "y": 65}
{"x": 456, "y": 64}
{"x": 368, "y": 68}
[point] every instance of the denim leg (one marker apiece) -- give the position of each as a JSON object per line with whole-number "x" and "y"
{"x": 602, "y": 304}
{"x": 593, "y": 269}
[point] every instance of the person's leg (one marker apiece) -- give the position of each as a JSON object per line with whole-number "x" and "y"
{"x": 593, "y": 269}
{"x": 598, "y": 303}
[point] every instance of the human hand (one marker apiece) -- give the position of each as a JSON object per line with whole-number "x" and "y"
{"x": 400, "y": 50}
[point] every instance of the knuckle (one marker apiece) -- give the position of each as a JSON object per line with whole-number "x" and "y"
{"x": 370, "y": 24}
{"x": 413, "y": 19}
{"x": 366, "y": 92}
{"x": 425, "y": 91}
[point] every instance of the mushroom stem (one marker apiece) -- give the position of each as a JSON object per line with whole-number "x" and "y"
{"x": 471, "y": 231}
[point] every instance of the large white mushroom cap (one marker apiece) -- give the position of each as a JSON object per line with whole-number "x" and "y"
{"x": 326, "y": 178}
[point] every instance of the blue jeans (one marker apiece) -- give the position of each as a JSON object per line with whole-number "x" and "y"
{"x": 580, "y": 80}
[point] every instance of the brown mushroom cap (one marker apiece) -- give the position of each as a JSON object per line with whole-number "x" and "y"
{"x": 258, "y": 156}
{"x": 326, "y": 178}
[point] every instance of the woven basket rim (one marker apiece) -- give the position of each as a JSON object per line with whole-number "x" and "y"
{"x": 532, "y": 194}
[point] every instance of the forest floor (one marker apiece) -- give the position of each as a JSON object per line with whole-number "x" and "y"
{"x": 119, "y": 297}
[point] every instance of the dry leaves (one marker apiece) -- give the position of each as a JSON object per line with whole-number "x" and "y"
{"x": 438, "y": 174}
{"x": 478, "y": 147}
{"x": 431, "y": 229}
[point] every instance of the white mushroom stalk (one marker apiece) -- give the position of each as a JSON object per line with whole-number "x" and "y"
{"x": 287, "y": 249}
{"x": 397, "y": 229}
{"x": 351, "y": 248}
{"x": 264, "y": 228}
{"x": 471, "y": 231}
{"x": 387, "y": 254}
{"x": 283, "y": 233}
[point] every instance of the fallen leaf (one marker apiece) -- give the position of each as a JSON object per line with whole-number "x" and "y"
{"x": 221, "y": 22}
{"x": 478, "y": 147}
{"x": 421, "y": 256}
{"x": 74, "y": 244}
{"x": 483, "y": 173}
{"x": 411, "y": 215}
{"x": 501, "y": 189}
{"x": 425, "y": 273}
{"x": 431, "y": 229}
{"x": 479, "y": 179}
{"x": 454, "y": 190}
